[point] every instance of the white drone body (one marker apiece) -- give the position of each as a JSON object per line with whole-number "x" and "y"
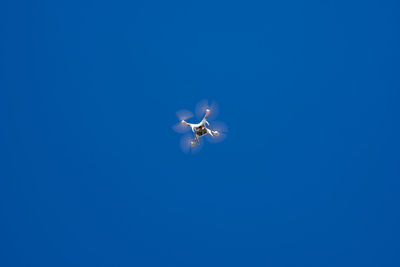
{"x": 200, "y": 129}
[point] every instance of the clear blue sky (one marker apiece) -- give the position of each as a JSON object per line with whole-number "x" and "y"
{"x": 91, "y": 173}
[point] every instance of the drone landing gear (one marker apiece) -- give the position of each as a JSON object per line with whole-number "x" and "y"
{"x": 196, "y": 140}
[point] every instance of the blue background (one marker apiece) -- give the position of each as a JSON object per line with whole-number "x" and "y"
{"x": 92, "y": 174}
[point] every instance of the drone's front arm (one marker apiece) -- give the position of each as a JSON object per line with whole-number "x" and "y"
{"x": 204, "y": 120}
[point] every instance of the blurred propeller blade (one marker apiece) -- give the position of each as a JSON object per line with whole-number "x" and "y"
{"x": 184, "y": 114}
{"x": 186, "y": 144}
{"x": 222, "y": 132}
{"x": 203, "y": 105}
{"x": 180, "y": 128}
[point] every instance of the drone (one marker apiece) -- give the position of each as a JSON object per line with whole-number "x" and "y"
{"x": 215, "y": 134}
{"x": 200, "y": 129}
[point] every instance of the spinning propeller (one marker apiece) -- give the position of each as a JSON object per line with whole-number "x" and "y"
{"x": 182, "y": 115}
{"x": 202, "y": 107}
{"x": 222, "y": 130}
{"x": 186, "y": 144}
